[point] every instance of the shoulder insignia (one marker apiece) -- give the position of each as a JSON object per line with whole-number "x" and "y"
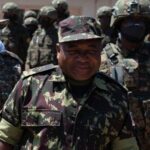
{"x": 37, "y": 70}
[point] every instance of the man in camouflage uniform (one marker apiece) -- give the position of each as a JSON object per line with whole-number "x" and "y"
{"x": 42, "y": 49}
{"x": 129, "y": 61}
{"x": 72, "y": 108}
{"x": 103, "y": 16}
{"x": 10, "y": 73}
{"x": 14, "y": 35}
{"x": 30, "y": 21}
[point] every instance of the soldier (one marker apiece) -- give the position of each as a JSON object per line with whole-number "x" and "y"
{"x": 129, "y": 61}
{"x": 10, "y": 73}
{"x": 74, "y": 107}
{"x": 42, "y": 49}
{"x": 103, "y": 16}
{"x": 62, "y": 9}
{"x": 14, "y": 35}
{"x": 31, "y": 24}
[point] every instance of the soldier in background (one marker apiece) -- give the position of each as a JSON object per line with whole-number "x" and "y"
{"x": 10, "y": 73}
{"x": 42, "y": 49}
{"x": 71, "y": 107}
{"x": 103, "y": 16}
{"x": 14, "y": 36}
{"x": 129, "y": 61}
{"x": 62, "y": 8}
{"x": 31, "y": 25}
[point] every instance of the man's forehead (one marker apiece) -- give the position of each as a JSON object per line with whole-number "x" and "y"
{"x": 88, "y": 43}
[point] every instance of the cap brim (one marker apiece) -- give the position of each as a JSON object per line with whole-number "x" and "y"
{"x": 78, "y": 37}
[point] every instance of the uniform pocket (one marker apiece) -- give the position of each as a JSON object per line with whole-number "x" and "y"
{"x": 45, "y": 56}
{"x": 34, "y": 57}
{"x": 40, "y": 117}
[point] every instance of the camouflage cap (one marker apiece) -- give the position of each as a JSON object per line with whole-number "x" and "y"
{"x": 76, "y": 28}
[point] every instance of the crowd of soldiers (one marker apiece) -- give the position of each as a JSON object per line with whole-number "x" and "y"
{"x": 30, "y": 48}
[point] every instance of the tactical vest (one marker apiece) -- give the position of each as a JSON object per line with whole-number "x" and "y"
{"x": 42, "y": 49}
{"x": 133, "y": 72}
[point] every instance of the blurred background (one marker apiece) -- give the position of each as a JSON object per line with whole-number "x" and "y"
{"x": 76, "y": 7}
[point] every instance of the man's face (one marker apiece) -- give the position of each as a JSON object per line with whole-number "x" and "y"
{"x": 133, "y": 29}
{"x": 79, "y": 60}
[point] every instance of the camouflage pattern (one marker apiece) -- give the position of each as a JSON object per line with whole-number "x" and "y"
{"x": 41, "y": 113}
{"x": 77, "y": 28}
{"x": 10, "y": 7}
{"x": 42, "y": 48}
{"x": 10, "y": 73}
{"x": 126, "y": 8}
{"x": 29, "y": 13}
{"x": 135, "y": 77}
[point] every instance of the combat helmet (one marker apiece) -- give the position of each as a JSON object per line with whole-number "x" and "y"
{"x": 60, "y": 5}
{"x": 104, "y": 11}
{"x": 30, "y": 21}
{"x": 29, "y": 13}
{"x": 126, "y": 8}
{"x": 48, "y": 11}
{"x": 10, "y": 7}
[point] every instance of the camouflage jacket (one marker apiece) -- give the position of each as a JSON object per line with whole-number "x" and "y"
{"x": 15, "y": 38}
{"x": 42, "y": 49}
{"x": 132, "y": 69}
{"x": 42, "y": 114}
{"x": 10, "y": 72}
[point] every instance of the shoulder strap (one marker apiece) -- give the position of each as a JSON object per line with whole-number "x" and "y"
{"x": 111, "y": 52}
{"x": 38, "y": 70}
{"x": 116, "y": 72}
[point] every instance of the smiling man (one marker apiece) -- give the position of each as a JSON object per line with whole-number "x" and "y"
{"x": 71, "y": 107}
